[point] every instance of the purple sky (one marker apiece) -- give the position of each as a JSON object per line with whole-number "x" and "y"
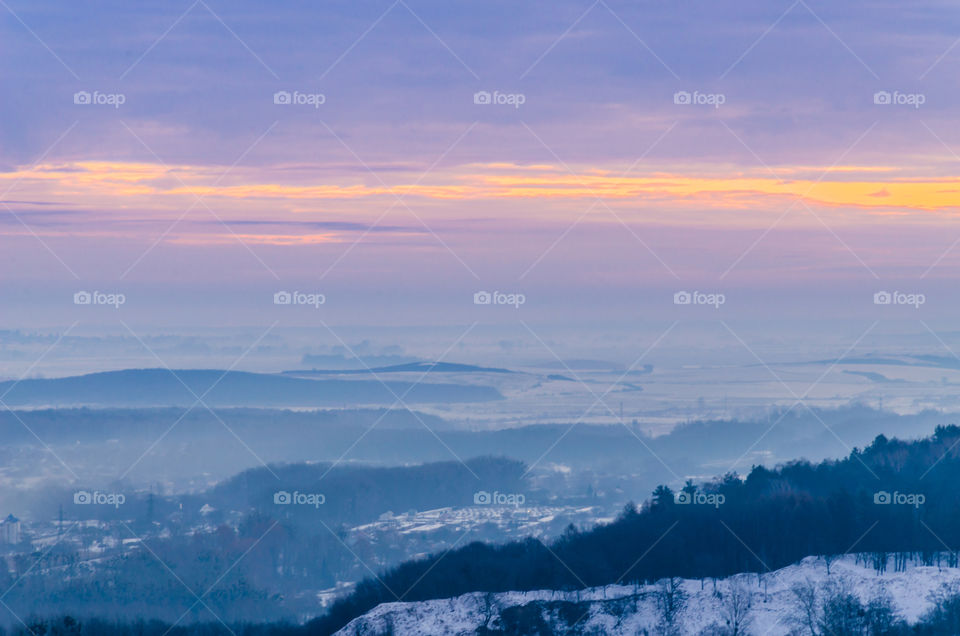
{"x": 792, "y": 186}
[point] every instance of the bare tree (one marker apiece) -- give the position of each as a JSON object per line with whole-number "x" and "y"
{"x": 736, "y": 608}
{"x": 487, "y": 608}
{"x": 671, "y": 600}
{"x": 806, "y": 610}
{"x": 841, "y": 611}
{"x": 829, "y": 559}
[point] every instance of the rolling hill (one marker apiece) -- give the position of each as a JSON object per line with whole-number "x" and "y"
{"x": 162, "y": 387}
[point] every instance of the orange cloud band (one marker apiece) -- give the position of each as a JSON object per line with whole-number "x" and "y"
{"x": 150, "y": 186}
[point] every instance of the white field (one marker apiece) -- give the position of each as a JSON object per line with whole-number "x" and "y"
{"x": 772, "y": 602}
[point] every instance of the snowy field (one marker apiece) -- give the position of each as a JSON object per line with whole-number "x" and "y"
{"x": 627, "y": 610}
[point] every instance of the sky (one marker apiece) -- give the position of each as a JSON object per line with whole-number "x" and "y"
{"x": 397, "y": 158}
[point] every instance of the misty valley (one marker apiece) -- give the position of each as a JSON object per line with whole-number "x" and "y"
{"x": 126, "y": 510}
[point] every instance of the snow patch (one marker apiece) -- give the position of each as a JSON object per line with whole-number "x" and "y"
{"x": 620, "y": 610}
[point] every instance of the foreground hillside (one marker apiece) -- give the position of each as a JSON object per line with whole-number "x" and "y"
{"x": 768, "y": 604}
{"x": 891, "y": 497}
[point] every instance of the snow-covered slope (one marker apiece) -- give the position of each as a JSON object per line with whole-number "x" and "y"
{"x": 628, "y": 610}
